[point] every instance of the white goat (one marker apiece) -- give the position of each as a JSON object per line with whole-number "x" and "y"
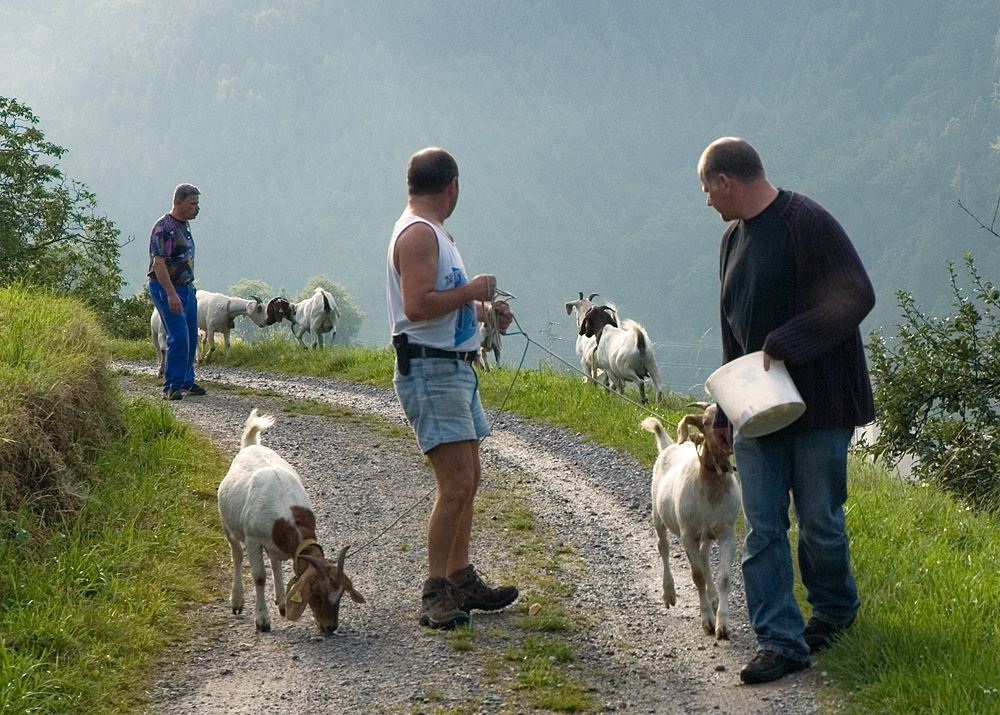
{"x": 624, "y": 353}
{"x": 585, "y": 345}
{"x": 217, "y": 313}
{"x": 264, "y": 508}
{"x": 315, "y": 315}
{"x": 159, "y": 335}
{"x": 697, "y": 498}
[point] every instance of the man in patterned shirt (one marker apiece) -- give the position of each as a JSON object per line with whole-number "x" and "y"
{"x": 171, "y": 286}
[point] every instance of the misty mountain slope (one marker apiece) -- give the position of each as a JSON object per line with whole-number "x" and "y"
{"x": 577, "y": 130}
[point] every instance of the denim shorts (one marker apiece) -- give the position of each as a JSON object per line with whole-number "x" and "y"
{"x": 441, "y": 400}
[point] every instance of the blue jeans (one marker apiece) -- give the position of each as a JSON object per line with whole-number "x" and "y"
{"x": 812, "y": 467}
{"x": 182, "y": 335}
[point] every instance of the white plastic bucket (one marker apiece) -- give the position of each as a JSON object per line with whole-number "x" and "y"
{"x": 756, "y": 402}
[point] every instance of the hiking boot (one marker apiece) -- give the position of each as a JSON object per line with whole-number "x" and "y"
{"x": 819, "y": 633}
{"x": 438, "y": 605}
{"x": 172, "y": 395}
{"x": 476, "y": 594}
{"x": 194, "y": 390}
{"x": 768, "y": 665}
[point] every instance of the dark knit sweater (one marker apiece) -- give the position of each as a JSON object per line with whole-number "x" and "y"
{"x": 820, "y": 342}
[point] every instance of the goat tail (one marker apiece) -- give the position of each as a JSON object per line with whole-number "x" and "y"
{"x": 255, "y": 425}
{"x": 651, "y": 424}
{"x": 641, "y": 339}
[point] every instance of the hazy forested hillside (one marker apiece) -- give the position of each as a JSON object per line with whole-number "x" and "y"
{"x": 577, "y": 127}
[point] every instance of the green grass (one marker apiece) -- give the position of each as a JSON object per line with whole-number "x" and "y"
{"x": 928, "y": 568}
{"x": 535, "y": 658}
{"x": 88, "y": 605}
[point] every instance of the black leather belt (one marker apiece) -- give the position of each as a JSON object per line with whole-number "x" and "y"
{"x": 422, "y": 351}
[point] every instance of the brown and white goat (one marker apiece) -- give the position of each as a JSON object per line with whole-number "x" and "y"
{"x": 264, "y": 508}
{"x": 278, "y": 309}
{"x": 696, "y": 496}
{"x": 585, "y": 345}
{"x": 624, "y": 354}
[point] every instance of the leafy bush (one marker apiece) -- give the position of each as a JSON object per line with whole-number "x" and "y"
{"x": 131, "y": 316}
{"x": 935, "y": 391}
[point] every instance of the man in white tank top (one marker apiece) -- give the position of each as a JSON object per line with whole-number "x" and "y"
{"x": 434, "y": 311}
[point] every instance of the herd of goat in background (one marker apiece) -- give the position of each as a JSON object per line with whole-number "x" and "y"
{"x": 265, "y": 509}
{"x": 317, "y": 315}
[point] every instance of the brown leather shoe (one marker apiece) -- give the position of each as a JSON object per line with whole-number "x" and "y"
{"x": 819, "y": 634}
{"x": 438, "y": 605}
{"x": 476, "y": 594}
{"x": 768, "y": 665}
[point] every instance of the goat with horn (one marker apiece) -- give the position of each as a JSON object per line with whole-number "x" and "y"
{"x": 264, "y": 508}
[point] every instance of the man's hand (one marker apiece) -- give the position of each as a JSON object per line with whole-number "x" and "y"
{"x": 174, "y": 301}
{"x": 505, "y": 316}
{"x": 484, "y": 287}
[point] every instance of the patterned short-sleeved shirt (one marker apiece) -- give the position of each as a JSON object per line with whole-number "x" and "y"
{"x": 172, "y": 239}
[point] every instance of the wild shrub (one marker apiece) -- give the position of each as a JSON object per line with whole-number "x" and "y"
{"x": 935, "y": 391}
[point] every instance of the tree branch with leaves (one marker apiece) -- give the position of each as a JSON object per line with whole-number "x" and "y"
{"x": 51, "y": 234}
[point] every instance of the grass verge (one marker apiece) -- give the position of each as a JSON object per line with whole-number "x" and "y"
{"x": 87, "y": 605}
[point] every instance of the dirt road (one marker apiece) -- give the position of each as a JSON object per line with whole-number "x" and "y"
{"x": 360, "y": 473}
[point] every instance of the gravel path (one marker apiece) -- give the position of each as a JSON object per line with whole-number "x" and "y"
{"x": 640, "y": 657}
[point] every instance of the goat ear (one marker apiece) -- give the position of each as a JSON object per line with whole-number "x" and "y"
{"x": 298, "y": 596}
{"x": 349, "y": 588}
{"x": 682, "y": 429}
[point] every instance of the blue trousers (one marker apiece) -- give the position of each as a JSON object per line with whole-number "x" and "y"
{"x": 182, "y": 335}
{"x": 811, "y": 466}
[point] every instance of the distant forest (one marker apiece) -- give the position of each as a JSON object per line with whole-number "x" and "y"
{"x": 577, "y": 127}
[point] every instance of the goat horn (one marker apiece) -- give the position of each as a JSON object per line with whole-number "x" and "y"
{"x": 340, "y": 558}
{"x": 319, "y": 565}
{"x": 702, "y": 405}
{"x": 592, "y": 295}
{"x": 256, "y": 299}
{"x": 581, "y": 295}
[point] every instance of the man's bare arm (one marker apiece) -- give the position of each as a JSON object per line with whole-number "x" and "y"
{"x": 416, "y": 259}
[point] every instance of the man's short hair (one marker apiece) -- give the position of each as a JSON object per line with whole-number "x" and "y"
{"x": 733, "y": 157}
{"x": 430, "y": 171}
{"x": 183, "y": 191}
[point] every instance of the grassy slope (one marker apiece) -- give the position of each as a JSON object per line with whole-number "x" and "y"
{"x": 928, "y": 568}
{"x": 96, "y": 579}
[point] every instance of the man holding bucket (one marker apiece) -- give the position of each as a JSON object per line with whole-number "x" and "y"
{"x": 794, "y": 288}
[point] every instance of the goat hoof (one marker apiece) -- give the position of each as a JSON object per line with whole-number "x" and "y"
{"x": 263, "y": 627}
{"x": 281, "y": 609}
{"x": 237, "y": 610}
{"x": 722, "y": 633}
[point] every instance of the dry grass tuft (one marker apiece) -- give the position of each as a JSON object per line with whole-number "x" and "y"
{"x": 58, "y": 403}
